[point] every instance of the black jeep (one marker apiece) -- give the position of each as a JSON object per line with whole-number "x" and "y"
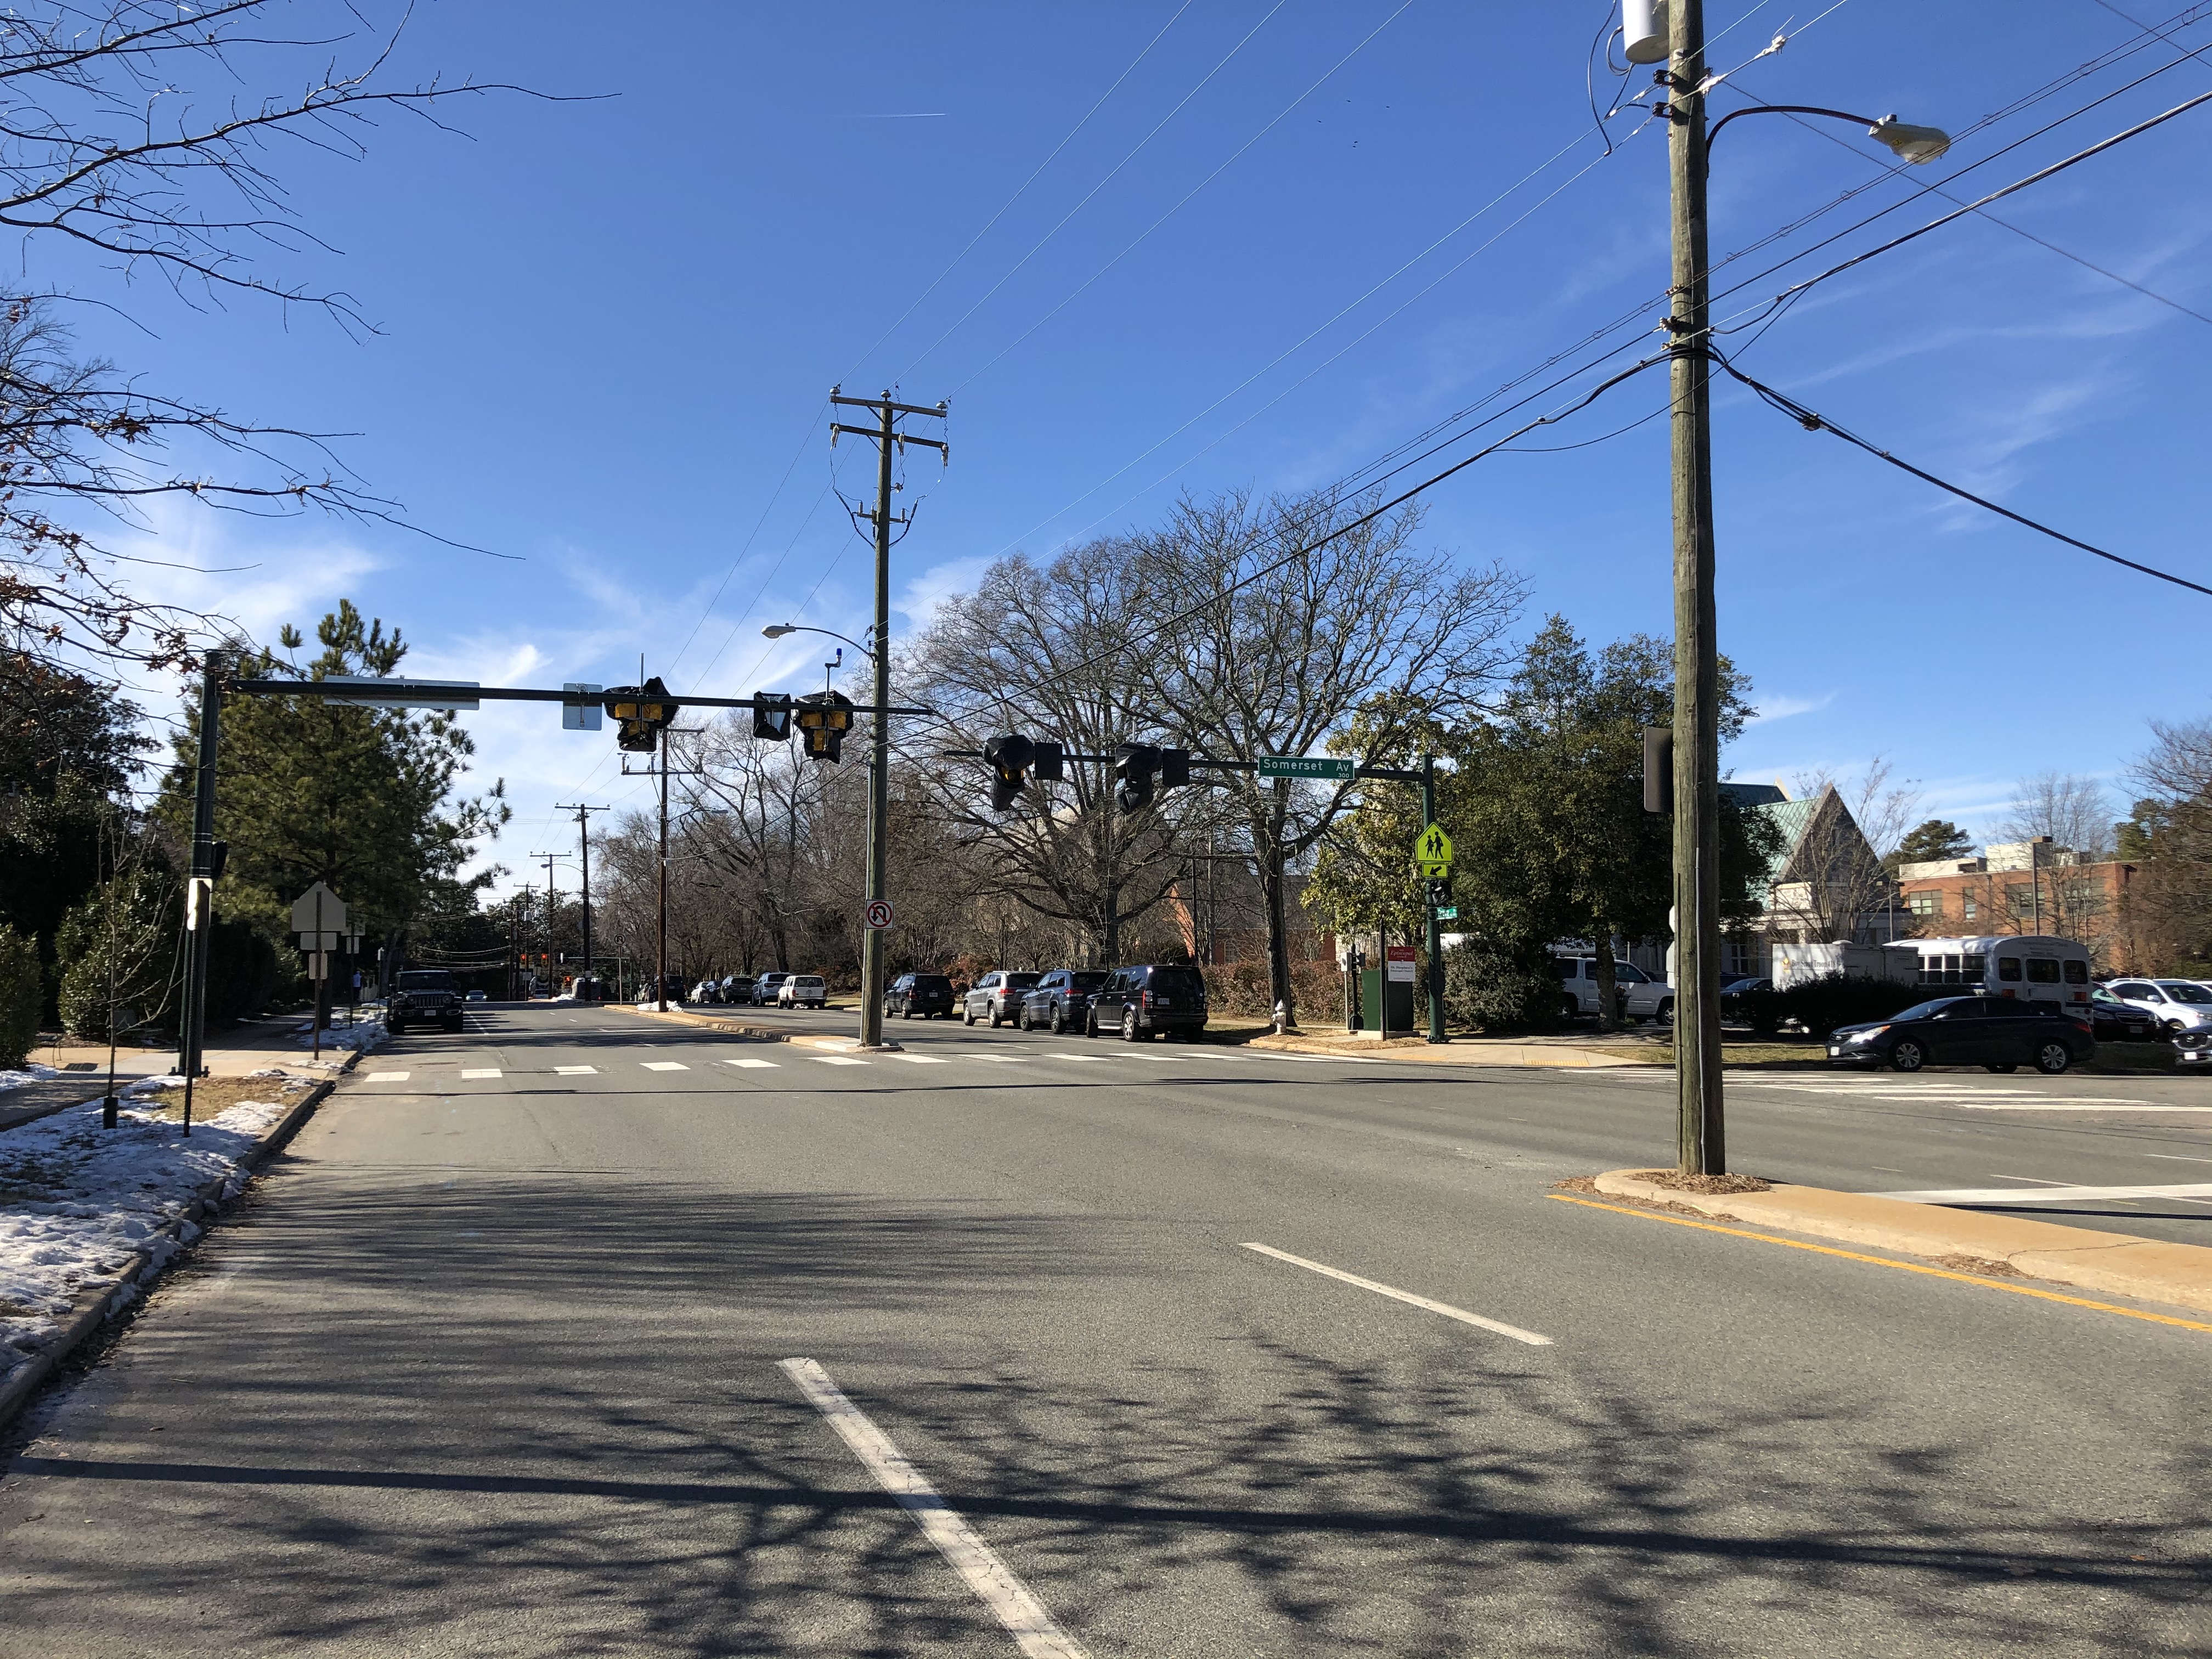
{"x": 423, "y": 996}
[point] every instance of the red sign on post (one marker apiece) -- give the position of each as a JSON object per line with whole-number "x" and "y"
{"x": 1400, "y": 959}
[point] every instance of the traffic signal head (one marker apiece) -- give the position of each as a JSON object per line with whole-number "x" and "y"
{"x": 1174, "y": 768}
{"x": 824, "y": 717}
{"x": 1010, "y": 759}
{"x": 1133, "y": 765}
{"x": 639, "y": 713}
{"x": 771, "y": 717}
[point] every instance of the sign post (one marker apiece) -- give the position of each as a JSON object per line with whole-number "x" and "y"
{"x": 1432, "y": 855}
{"x": 880, "y": 915}
{"x": 319, "y": 916}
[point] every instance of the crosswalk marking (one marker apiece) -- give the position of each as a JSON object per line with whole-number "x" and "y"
{"x": 484, "y": 1071}
{"x": 2194, "y": 1193}
{"x": 1972, "y": 1098}
{"x": 576, "y": 1071}
{"x": 388, "y": 1077}
{"x": 1087, "y": 1060}
{"x": 750, "y": 1063}
{"x": 836, "y": 1060}
{"x": 666, "y": 1065}
{"x": 919, "y": 1059}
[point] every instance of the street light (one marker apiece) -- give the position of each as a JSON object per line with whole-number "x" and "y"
{"x": 1680, "y": 24}
{"x": 777, "y": 630}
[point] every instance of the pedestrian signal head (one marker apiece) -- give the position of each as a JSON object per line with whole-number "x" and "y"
{"x": 771, "y": 717}
{"x": 824, "y": 717}
{"x": 639, "y": 713}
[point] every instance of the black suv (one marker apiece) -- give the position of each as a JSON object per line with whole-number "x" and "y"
{"x": 423, "y": 996}
{"x": 1141, "y": 1002}
{"x": 1062, "y": 1000}
{"x": 927, "y": 994}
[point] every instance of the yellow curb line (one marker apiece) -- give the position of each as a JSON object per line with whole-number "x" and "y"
{"x": 1883, "y": 1262}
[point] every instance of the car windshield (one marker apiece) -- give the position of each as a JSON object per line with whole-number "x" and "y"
{"x": 1929, "y": 1010}
{"x": 425, "y": 980}
{"x": 1023, "y": 982}
{"x": 2182, "y": 990}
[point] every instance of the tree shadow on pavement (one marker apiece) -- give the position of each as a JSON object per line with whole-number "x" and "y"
{"x": 541, "y": 1415}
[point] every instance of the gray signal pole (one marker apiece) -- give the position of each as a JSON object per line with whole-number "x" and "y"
{"x": 584, "y": 852}
{"x": 885, "y": 433}
{"x": 1702, "y": 1146}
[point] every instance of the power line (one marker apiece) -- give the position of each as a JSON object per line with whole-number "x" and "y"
{"x": 1814, "y": 422}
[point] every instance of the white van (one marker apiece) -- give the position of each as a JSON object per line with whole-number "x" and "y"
{"x": 2033, "y": 967}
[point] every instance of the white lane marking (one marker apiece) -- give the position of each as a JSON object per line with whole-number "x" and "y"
{"x": 836, "y": 1060}
{"x": 750, "y": 1063}
{"x": 1087, "y": 1060}
{"x": 1000, "y": 1060}
{"x": 576, "y": 1071}
{"x": 2199, "y": 1191}
{"x": 666, "y": 1065}
{"x": 484, "y": 1071}
{"x": 1443, "y": 1308}
{"x": 920, "y": 1059}
{"x": 2177, "y": 1157}
{"x": 1011, "y": 1603}
{"x": 388, "y": 1077}
{"x": 1968, "y": 1099}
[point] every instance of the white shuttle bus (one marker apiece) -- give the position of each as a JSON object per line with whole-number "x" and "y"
{"x": 2033, "y": 967}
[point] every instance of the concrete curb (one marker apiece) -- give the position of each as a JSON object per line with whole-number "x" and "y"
{"x": 1460, "y": 1052}
{"x": 95, "y": 1307}
{"x": 758, "y": 1033}
{"x": 2120, "y": 1264}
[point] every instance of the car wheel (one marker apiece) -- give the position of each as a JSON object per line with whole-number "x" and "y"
{"x": 967, "y": 1015}
{"x": 2001, "y": 1068}
{"x": 907, "y": 1013}
{"x": 995, "y": 1020}
{"x": 1666, "y": 1014}
{"x": 2052, "y": 1057}
{"x": 1569, "y": 1008}
{"x": 1908, "y": 1056}
{"x": 1129, "y": 1025}
{"x": 1058, "y": 1019}
{"x": 1090, "y": 1025}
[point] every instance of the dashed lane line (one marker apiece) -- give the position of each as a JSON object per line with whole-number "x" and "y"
{"x": 835, "y": 1059}
{"x": 1009, "y": 1600}
{"x": 1407, "y": 1296}
{"x": 920, "y": 1059}
{"x": 482, "y": 1071}
{"x": 666, "y": 1065}
{"x": 750, "y": 1063}
{"x": 576, "y": 1071}
{"x": 388, "y": 1077}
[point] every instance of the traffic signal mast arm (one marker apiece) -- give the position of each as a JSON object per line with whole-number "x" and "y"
{"x": 1395, "y": 774}
{"x": 388, "y": 690}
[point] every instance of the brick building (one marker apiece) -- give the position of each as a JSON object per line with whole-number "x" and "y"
{"x": 2027, "y": 887}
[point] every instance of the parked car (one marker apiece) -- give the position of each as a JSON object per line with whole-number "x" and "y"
{"x": 1638, "y": 996}
{"x": 766, "y": 987}
{"x": 1999, "y": 1033}
{"x": 706, "y": 992}
{"x": 2178, "y": 1004}
{"x": 737, "y": 989}
{"x": 2112, "y": 1020}
{"x": 1062, "y": 1000}
{"x": 927, "y": 994}
{"x": 803, "y": 991}
{"x": 996, "y": 997}
{"x": 2193, "y": 1050}
{"x": 1142, "y": 1002}
{"x": 423, "y": 996}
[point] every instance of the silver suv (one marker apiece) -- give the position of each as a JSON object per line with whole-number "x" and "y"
{"x": 1640, "y": 996}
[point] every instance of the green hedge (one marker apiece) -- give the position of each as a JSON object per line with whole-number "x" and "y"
{"x": 22, "y": 992}
{"x": 1496, "y": 986}
{"x": 1821, "y": 1005}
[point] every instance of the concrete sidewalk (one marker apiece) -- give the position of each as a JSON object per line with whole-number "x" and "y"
{"x": 255, "y": 1046}
{"x": 2120, "y": 1264}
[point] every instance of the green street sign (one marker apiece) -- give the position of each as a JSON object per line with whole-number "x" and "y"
{"x": 1297, "y": 766}
{"x": 1447, "y": 913}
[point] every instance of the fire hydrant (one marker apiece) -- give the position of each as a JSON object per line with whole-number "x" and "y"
{"x": 1282, "y": 1017}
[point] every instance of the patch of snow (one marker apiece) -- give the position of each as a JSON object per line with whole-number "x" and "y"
{"x": 78, "y": 1201}
{"x": 364, "y": 1035}
{"x": 29, "y": 1073}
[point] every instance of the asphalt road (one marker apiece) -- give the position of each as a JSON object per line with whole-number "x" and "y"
{"x": 492, "y": 1365}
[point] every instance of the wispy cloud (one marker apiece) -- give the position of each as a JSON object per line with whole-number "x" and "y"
{"x": 1773, "y": 708}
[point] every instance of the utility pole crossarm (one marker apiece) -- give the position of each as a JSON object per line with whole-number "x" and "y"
{"x": 884, "y": 403}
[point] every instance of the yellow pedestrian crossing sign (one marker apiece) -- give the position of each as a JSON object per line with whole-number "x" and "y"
{"x": 1433, "y": 851}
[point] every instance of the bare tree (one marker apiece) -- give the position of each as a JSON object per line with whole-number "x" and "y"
{"x": 1294, "y": 624}
{"x": 104, "y": 149}
{"x": 2171, "y": 833}
{"x": 2074, "y": 810}
{"x": 1047, "y": 652}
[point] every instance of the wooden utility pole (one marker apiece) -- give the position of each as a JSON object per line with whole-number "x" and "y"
{"x": 886, "y": 433}
{"x": 584, "y": 853}
{"x": 661, "y": 923}
{"x": 1703, "y": 1146}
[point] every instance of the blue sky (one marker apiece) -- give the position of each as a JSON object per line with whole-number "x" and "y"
{"x": 1282, "y": 239}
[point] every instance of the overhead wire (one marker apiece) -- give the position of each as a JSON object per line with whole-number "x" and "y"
{"x": 1812, "y": 421}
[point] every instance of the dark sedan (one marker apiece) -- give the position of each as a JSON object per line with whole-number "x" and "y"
{"x": 1999, "y": 1033}
{"x": 1062, "y": 1000}
{"x": 2115, "y": 1021}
